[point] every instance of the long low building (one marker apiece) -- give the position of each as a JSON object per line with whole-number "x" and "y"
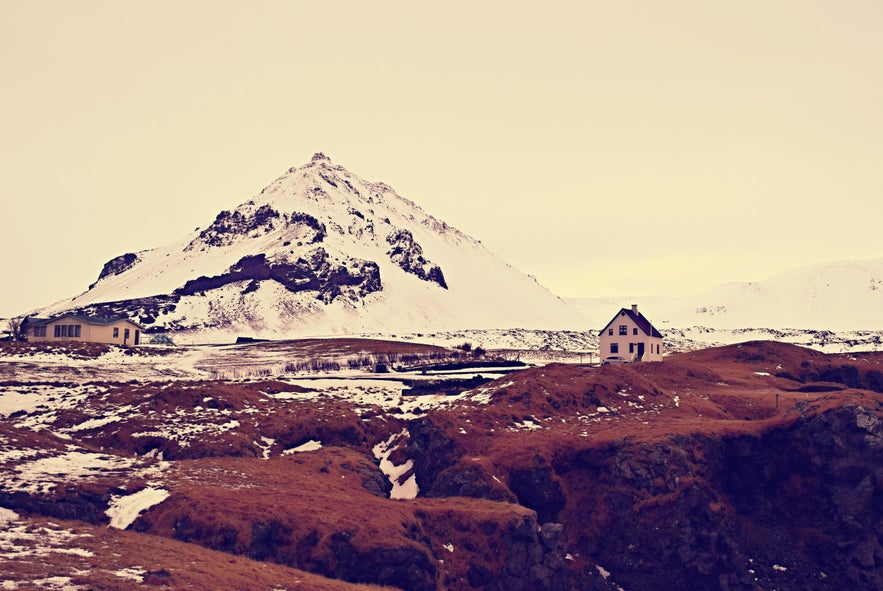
{"x": 89, "y": 329}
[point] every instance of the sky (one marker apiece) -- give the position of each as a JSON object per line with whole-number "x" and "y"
{"x": 607, "y": 148}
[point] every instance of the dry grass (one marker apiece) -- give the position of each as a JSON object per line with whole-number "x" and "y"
{"x": 621, "y": 440}
{"x": 100, "y": 558}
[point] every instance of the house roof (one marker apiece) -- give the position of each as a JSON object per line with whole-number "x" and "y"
{"x": 94, "y": 320}
{"x": 638, "y": 318}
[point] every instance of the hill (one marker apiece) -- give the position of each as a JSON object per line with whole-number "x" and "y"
{"x": 838, "y": 296}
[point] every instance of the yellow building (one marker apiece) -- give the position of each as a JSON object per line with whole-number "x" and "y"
{"x": 74, "y": 327}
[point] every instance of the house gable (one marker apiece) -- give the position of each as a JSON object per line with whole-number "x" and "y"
{"x": 642, "y": 323}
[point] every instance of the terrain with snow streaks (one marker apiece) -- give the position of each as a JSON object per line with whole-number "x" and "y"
{"x": 321, "y": 251}
{"x": 751, "y": 466}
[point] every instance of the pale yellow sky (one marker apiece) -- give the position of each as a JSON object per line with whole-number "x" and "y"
{"x": 607, "y": 148}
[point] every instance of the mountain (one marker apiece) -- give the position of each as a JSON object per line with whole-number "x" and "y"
{"x": 321, "y": 251}
{"x": 839, "y": 296}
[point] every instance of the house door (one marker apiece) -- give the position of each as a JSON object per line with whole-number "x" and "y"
{"x": 640, "y": 351}
{"x": 137, "y": 336}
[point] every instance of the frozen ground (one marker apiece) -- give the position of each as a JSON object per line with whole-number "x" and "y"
{"x": 289, "y": 358}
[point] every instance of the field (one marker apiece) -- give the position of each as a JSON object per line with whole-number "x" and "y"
{"x": 333, "y": 464}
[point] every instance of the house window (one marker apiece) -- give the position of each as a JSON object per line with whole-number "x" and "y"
{"x": 116, "y": 332}
{"x": 64, "y": 331}
{"x": 635, "y": 331}
{"x": 610, "y": 332}
{"x": 631, "y": 347}
{"x": 39, "y": 331}
{"x": 614, "y": 347}
{"x": 623, "y": 329}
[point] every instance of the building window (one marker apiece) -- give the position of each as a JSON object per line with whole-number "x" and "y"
{"x": 623, "y": 329}
{"x": 614, "y": 347}
{"x": 631, "y": 347}
{"x": 116, "y": 332}
{"x": 64, "y": 331}
{"x": 610, "y": 331}
{"x": 39, "y": 331}
{"x": 635, "y": 331}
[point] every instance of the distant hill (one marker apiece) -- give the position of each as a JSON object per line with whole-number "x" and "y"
{"x": 839, "y": 296}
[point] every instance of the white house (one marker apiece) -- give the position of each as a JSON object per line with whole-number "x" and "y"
{"x": 630, "y": 336}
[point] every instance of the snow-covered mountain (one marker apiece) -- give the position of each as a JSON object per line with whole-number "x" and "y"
{"x": 840, "y": 296}
{"x": 321, "y": 251}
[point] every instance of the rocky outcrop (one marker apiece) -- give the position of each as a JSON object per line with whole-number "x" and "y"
{"x": 316, "y": 271}
{"x": 796, "y": 507}
{"x": 537, "y": 488}
{"x": 406, "y": 567}
{"x": 145, "y": 311}
{"x": 432, "y": 451}
{"x": 250, "y": 221}
{"x": 408, "y": 255}
{"x": 849, "y": 376}
{"x": 88, "y": 506}
{"x": 534, "y": 560}
{"x": 230, "y": 225}
{"x": 813, "y": 492}
{"x": 117, "y": 265}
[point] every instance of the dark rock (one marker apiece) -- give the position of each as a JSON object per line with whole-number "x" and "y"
{"x": 408, "y": 255}
{"x": 117, "y": 265}
{"x": 550, "y": 535}
{"x": 538, "y": 489}
{"x": 318, "y": 272}
{"x": 72, "y": 504}
{"x": 407, "y": 568}
{"x": 267, "y": 538}
{"x": 432, "y": 452}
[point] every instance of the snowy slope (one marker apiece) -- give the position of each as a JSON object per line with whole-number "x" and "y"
{"x": 846, "y": 295}
{"x": 321, "y": 251}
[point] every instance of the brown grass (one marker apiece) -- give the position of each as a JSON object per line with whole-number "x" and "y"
{"x": 164, "y": 564}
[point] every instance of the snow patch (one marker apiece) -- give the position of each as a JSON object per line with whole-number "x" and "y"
{"x": 123, "y": 511}
{"x": 133, "y": 573}
{"x": 400, "y": 490}
{"x": 7, "y": 516}
{"x": 311, "y": 445}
